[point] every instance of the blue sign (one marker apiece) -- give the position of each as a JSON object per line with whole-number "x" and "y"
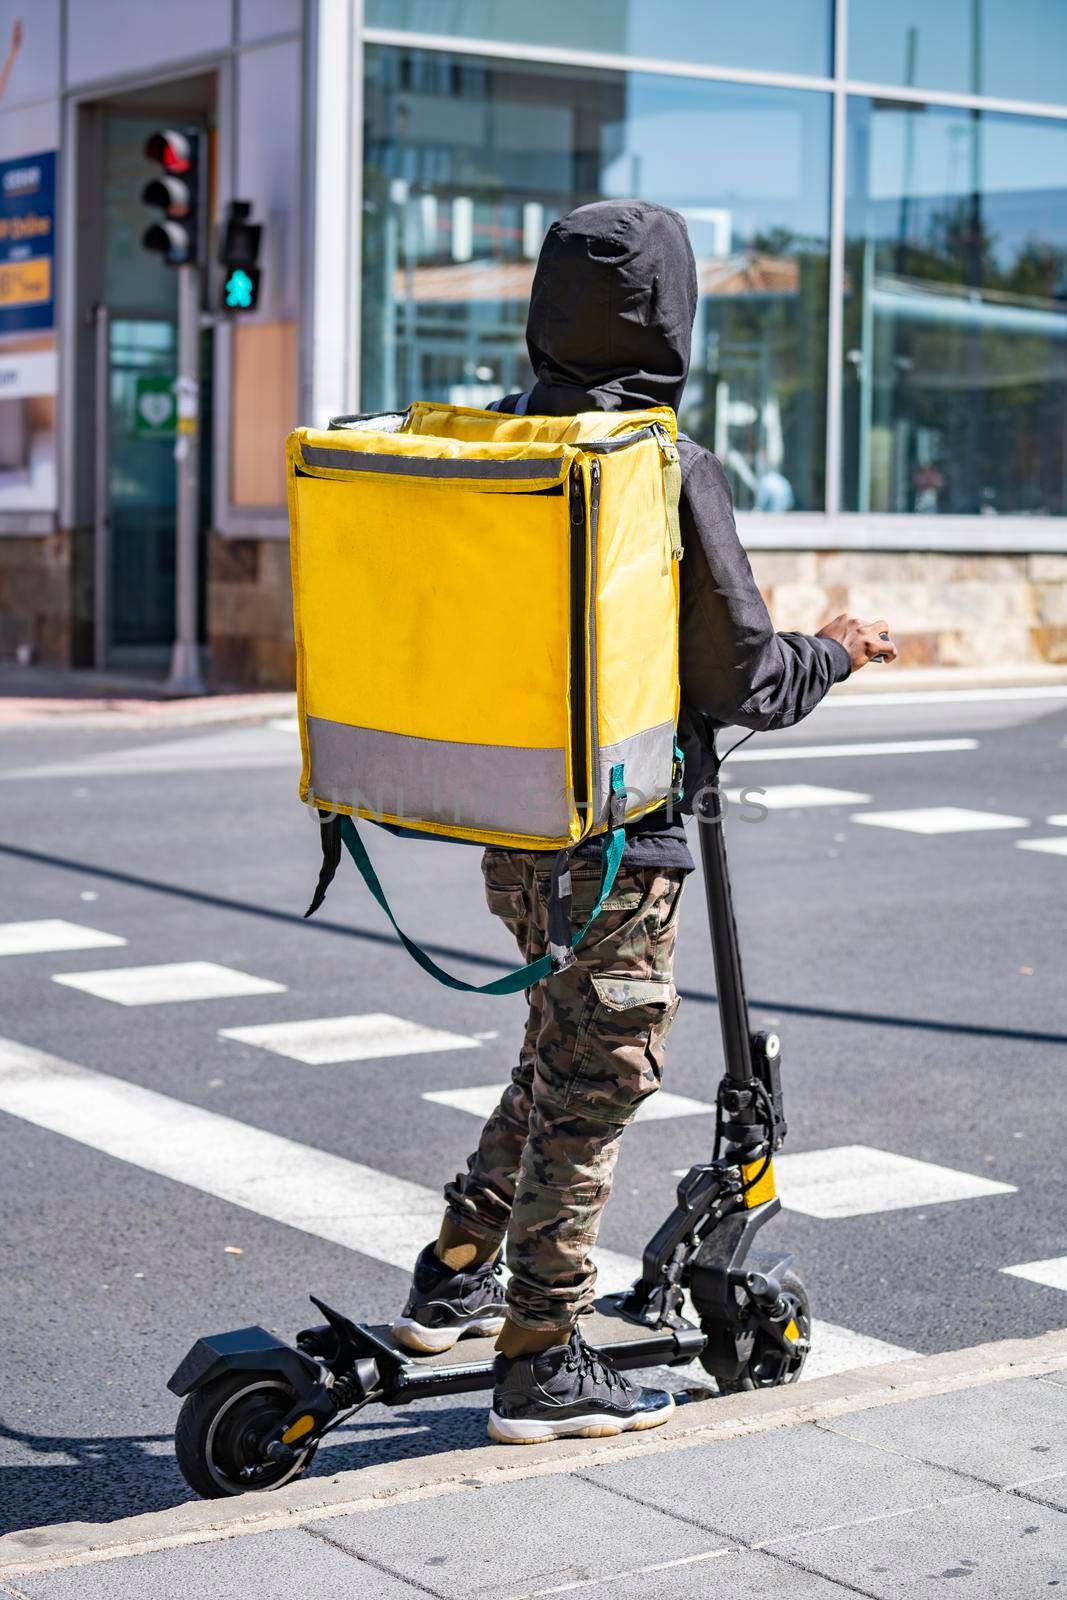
{"x": 27, "y": 243}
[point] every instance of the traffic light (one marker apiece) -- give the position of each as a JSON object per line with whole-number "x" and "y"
{"x": 239, "y": 258}
{"x": 175, "y": 233}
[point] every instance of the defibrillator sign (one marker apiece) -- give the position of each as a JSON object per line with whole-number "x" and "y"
{"x": 27, "y": 242}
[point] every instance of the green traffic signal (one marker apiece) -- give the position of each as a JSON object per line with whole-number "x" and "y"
{"x": 240, "y": 289}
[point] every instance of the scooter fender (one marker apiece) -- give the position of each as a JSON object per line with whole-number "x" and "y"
{"x": 244, "y": 1350}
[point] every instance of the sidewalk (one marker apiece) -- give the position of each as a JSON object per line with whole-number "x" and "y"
{"x": 891, "y": 1480}
{"x": 34, "y": 697}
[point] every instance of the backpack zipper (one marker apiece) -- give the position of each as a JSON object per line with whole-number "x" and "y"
{"x": 672, "y": 487}
{"x": 579, "y": 744}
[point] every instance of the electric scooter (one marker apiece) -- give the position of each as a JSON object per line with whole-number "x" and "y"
{"x": 256, "y": 1409}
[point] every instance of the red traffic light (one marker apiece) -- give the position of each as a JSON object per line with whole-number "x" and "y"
{"x": 173, "y": 192}
{"x": 171, "y": 149}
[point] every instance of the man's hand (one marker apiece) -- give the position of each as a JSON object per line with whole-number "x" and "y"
{"x": 864, "y": 641}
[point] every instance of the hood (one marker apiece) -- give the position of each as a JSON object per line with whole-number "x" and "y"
{"x": 611, "y": 310}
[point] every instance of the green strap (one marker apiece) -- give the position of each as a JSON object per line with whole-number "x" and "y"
{"x": 534, "y": 971}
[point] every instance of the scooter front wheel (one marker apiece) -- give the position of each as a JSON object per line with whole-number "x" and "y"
{"x": 769, "y": 1365}
{"x": 220, "y": 1429}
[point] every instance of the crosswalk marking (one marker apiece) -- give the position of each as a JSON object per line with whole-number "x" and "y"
{"x": 793, "y": 796}
{"x": 856, "y": 1180}
{"x": 51, "y": 934}
{"x": 825, "y": 752}
{"x": 1052, "y": 1274}
{"x": 385, "y": 1218}
{"x": 939, "y": 819}
{"x": 482, "y": 1100}
{"x": 1052, "y": 847}
{"x": 322, "y": 1041}
{"x": 175, "y": 980}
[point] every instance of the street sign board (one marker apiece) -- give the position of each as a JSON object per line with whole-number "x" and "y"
{"x": 27, "y": 242}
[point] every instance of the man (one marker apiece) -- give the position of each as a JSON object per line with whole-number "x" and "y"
{"x": 609, "y": 328}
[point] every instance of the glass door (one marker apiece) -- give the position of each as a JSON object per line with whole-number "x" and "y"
{"x": 141, "y": 486}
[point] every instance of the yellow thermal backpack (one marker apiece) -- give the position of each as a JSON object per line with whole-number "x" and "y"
{"x": 486, "y": 619}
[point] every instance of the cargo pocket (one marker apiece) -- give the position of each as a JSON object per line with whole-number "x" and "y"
{"x": 505, "y": 892}
{"x": 618, "y": 1059}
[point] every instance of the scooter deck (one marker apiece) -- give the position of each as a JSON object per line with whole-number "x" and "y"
{"x": 605, "y": 1329}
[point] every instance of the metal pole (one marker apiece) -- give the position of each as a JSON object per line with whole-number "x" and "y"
{"x": 185, "y": 675}
{"x": 836, "y": 286}
{"x": 101, "y": 490}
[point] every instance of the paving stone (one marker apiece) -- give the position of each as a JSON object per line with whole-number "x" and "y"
{"x": 1047, "y": 1491}
{"x": 737, "y": 1575}
{"x": 268, "y": 1566}
{"x": 1008, "y": 1549}
{"x": 518, "y": 1539}
{"x": 1001, "y": 1432}
{"x": 723, "y": 1487}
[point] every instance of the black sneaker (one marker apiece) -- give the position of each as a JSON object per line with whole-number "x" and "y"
{"x": 444, "y": 1306}
{"x": 570, "y": 1391}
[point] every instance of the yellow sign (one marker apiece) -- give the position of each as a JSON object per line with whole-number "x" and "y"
{"x": 26, "y": 283}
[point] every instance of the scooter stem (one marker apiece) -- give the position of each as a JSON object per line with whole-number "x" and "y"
{"x": 729, "y": 982}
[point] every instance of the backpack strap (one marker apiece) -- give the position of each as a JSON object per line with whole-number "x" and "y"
{"x": 563, "y": 940}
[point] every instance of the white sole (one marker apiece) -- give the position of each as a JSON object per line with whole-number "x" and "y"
{"x": 507, "y": 1430}
{"x": 432, "y": 1341}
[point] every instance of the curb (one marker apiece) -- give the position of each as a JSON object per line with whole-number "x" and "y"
{"x": 137, "y": 715}
{"x": 71, "y": 1544}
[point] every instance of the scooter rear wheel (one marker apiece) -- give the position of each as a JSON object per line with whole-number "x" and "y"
{"x": 769, "y": 1366}
{"x": 220, "y": 1428}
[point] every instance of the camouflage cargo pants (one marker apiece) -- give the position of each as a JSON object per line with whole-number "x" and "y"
{"x": 593, "y": 1050}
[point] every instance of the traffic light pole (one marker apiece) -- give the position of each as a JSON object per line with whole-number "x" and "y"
{"x": 185, "y": 672}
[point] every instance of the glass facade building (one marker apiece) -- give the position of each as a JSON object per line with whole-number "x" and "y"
{"x": 877, "y": 201}
{"x": 877, "y": 198}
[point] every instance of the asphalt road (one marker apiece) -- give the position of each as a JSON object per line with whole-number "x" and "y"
{"x": 919, "y": 981}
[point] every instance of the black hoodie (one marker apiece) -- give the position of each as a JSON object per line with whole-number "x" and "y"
{"x": 609, "y": 329}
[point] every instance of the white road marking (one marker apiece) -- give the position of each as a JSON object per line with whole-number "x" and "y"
{"x": 856, "y": 1180}
{"x": 1052, "y": 847}
{"x": 284, "y": 724}
{"x": 175, "y": 980}
{"x": 943, "y": 697}
{"x": 794, "y": 796}
{"x": 385, "y": 1218}
{"x": 1052, "y": 1273}
{"x": 833, "y": 1349}
{"x": 324, "y": 1040}
{"x": 939, "y": 819}
{"x": 1057, "y": 822}
{"x": 219, "y": 751}
{"x": 825, "y": 752}
{"x": 51, "y": 934}
{"x": 482, "y": 1100}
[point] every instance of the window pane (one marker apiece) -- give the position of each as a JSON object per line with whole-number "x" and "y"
{"x": 955, "y": 311}
{"x": 467, "y": 163}
{"x": 777, "y": 36}
{"x": 1013, "y": 49}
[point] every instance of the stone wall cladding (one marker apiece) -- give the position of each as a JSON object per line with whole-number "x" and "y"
{"x": 945, "y": 609}
{"x": 250, "y": 613}
{"x": 36, "y": 597}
